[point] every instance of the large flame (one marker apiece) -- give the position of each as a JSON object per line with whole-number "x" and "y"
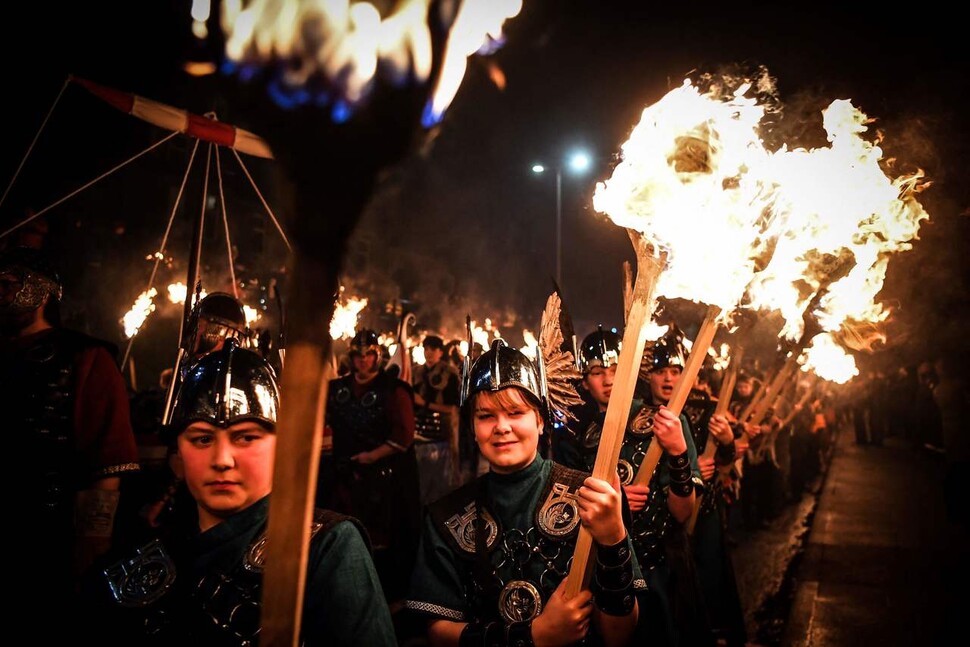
{"x": 778, "y": 228}
{"x": 836, "y": 203}
{"x": 690, "y": 180}
{"x": 828, "y": 360}
{"x": 349, "y": 44}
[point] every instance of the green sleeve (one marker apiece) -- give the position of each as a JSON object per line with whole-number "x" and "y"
{"x": 436, "y": 584}
{"x": 344, "y": 603}
{"x": 695, "y": 469}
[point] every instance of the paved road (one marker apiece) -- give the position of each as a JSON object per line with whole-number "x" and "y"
{"x": 765, "y": 561}
{"x": 870, "y": 560}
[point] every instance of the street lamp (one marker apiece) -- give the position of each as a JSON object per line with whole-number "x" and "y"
{"x": 577, "y": 162}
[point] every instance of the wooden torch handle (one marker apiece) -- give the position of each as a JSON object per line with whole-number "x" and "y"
{"x": 642, "y": 306}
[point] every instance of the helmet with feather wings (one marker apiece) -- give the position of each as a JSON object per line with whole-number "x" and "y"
{"x": 551, "y": 378}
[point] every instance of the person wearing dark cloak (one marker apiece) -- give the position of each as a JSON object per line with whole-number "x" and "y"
{"x": 373, "y": 474}
{"x": 68, "y": 421}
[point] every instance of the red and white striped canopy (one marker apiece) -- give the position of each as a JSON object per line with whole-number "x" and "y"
{"x": 165, "y": 116}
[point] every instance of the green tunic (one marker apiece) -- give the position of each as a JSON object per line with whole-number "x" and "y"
{"x": 449, "y": 582}
{"x": 216, "y": 593}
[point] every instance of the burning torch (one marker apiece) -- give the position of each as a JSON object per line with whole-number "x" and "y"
{"x": 697, "y": 181}
{"x": 686, "y": 193}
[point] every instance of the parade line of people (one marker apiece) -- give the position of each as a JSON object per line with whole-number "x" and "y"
{"x": 448, "y": 506}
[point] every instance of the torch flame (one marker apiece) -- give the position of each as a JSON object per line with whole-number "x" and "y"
{"x": 691, "y": 182}
{"x": 177, "y": 292}
{"x": 484, "y": 335}
{"x": 697, "y": 181}
{"x": 828, "y": 360}
{"x": 252, "y": 315}
{"x": 349, "y": 44}
{"x": 722, "y": 358}
{"x": 531, "y": 347}
{"x": 144, "y": 305}
{"x": 336, "y": 40}
{"x": 417, "y": 355}
{"x": 344, "y": 321}
{"x": 656, "y": 330}
{"x": 836, "y": 202}
{"x": 477, "y": 28}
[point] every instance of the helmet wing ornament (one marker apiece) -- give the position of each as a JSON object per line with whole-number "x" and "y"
{"x": 557, "y": 365}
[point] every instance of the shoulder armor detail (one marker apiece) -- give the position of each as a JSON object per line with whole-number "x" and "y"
{"x": 454, "y": 517}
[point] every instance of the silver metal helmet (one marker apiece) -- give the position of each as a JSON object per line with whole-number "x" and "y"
{"x": 600, "y": 348}
{"x": 667, "y": 351}
{"x": 215, "y": 318}
{"x": 366, "y": 341}
{"x": 225, "y": 387}
{"x": 503, "y": 366}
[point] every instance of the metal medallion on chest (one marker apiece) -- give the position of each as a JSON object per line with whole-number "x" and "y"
{"x": 559, "y": 514}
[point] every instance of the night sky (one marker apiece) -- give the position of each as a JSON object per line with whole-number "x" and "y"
{"x": 463, "y": 226}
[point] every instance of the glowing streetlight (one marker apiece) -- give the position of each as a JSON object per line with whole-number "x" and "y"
{"x": 577, "y": 162}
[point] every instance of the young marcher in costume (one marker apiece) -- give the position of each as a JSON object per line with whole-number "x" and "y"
{"x": 437, "y": 392}
{"x": 730, "y": 477}
{"x": 660, "y": 533}
{"x": 576, "y": 443}
{"x": 659, "y": 509}
{"x": 215, "y": 318}
{"x": 756, "y": 468}
{"x": 495, "y": 553}
{"x": 200, "y": 581}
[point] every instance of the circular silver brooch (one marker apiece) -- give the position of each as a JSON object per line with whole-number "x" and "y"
{"x": 558, "y": 518}
{"x": 625, "y": 471}
{"x": 519, "y": 601}
{"x": 642, "y": 422}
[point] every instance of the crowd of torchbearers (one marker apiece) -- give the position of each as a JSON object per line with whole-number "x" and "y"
{"x": 588, "y": 493}
{"x": 461, "y": 501}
